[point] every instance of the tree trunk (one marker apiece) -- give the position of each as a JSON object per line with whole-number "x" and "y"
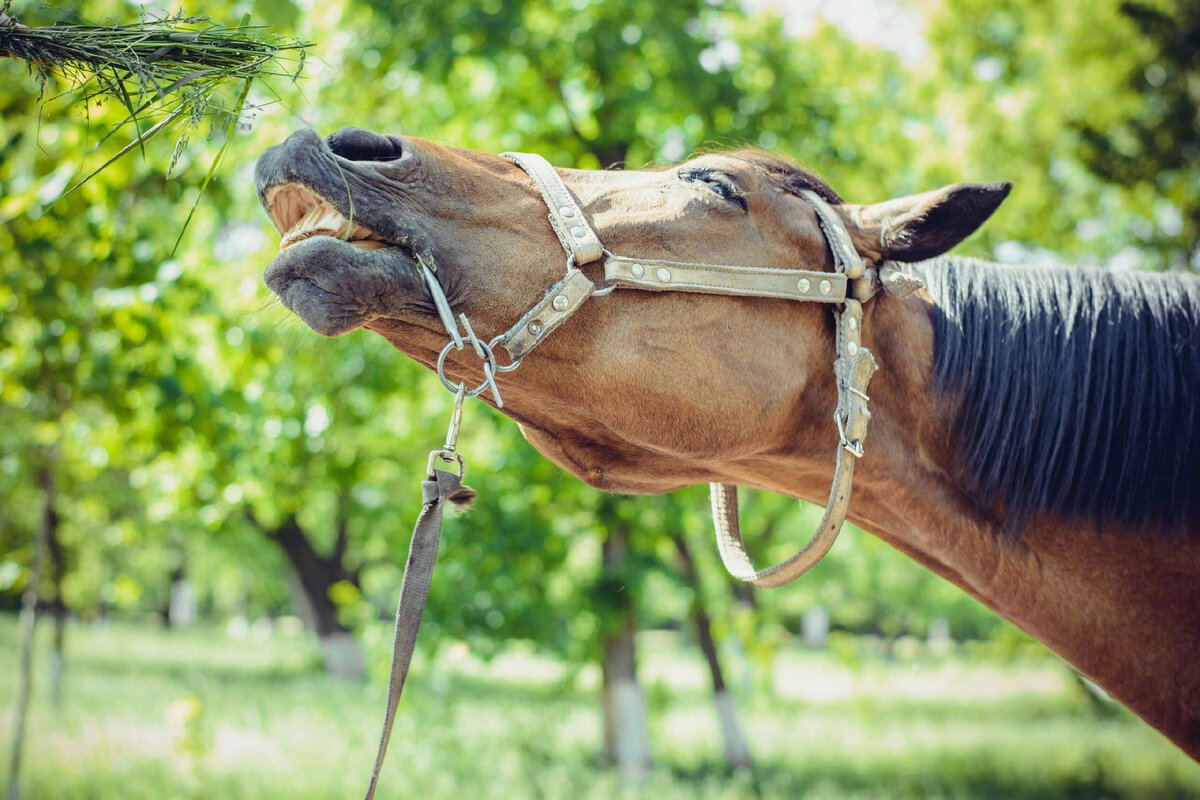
{"x": 311, "y": 578}
{"x": 611, "y": 155}
{"x": 58, "y": 570}
{"x": 626, "y": 734}
{"x": 181, "y": 603}
{"x": 737, "y": 751}
{"x": 29, "y": 604}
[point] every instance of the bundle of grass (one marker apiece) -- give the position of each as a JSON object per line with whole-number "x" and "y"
{"x": 176, "y": 69}
{"x": 156, "y": 56}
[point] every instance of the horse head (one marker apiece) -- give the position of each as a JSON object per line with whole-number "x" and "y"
{"x": 637, "y": 392}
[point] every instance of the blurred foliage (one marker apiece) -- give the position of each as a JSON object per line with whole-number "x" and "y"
{"x": 1091, "y": 108}
{"x": 189, "y": 413}
{"x": 1155, "y": 143}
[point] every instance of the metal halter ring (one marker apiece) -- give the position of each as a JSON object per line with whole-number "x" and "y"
{"x": 484, "y": 351}
{"x": 498, "y": 340}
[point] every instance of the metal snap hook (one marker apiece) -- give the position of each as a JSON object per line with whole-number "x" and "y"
{"x": 446, "y": 457}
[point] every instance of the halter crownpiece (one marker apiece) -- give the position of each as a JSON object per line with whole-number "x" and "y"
{"x": 851, "y": 284}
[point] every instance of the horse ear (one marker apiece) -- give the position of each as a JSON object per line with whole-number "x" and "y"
{"x": 922, "y": 226}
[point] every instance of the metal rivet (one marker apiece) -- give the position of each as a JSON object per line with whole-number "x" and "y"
{"x": 567, "y": 211}
{"x": 852, "y": 324}
{"x": 637, "y": 270}
{"x": 803, "y": 285}
{"x": 578, "y": 233}
{"x": 534, "y": 327}
{"x": 560, "y": 303}
{"x": 824, "y": 286}
{"x": 663, "y": 274}
{"x": 851, "y": 348}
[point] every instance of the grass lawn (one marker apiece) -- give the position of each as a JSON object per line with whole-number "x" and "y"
{"x": 196, "y": 714}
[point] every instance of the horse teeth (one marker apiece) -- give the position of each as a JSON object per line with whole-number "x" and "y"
{"x": 325, "y": 220}
{"x": 322, "y": 218}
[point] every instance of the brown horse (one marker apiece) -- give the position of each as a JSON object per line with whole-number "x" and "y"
{"x": 1033, "y": 440}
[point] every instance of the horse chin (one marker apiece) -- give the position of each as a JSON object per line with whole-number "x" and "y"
{"x": 336, "y": 287}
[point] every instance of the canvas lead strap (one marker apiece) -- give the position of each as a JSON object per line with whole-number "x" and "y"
{"x": 439, "y": 487}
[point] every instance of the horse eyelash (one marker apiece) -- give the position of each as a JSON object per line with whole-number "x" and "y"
{"x": 732, "y": 193}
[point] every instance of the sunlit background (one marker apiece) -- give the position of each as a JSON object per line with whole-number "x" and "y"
{"x": 226, "y": 497}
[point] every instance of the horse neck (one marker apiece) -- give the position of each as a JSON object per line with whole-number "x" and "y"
{"x": 1123, "y": 607}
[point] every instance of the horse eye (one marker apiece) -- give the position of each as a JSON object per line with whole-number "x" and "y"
{"x": 720, "y": 189}
{"x": 727, "y": 192}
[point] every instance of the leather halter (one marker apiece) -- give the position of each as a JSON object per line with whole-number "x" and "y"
{"x": 845, "y": 289}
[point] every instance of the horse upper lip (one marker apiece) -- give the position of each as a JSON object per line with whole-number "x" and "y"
{"x": 302, "y": 173}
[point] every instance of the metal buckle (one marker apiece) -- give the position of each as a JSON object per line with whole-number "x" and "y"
{"x": 855, "y": 447}
{"x": 852, "y": 390}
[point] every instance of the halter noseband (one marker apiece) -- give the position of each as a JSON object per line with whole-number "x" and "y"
{"x": 851, "y": 284}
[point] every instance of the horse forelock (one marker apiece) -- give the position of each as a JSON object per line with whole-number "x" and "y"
{"x": 1071, "y": 392}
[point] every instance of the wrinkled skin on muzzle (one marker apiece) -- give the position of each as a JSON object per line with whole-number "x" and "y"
{"x": 331, "y": 280}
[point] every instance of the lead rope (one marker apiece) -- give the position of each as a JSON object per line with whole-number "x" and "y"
{"x": 438, "y": 488}
{"x": 441, "y": 486}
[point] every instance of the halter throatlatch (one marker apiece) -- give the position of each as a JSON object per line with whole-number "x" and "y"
{"x": 853, "y": 370}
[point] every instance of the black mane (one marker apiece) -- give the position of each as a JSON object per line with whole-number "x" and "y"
{"x": 1071, "y": 392}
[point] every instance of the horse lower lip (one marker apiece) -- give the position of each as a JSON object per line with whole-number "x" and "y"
{"x": 336, "y": 286}
{"x": 351, "y": 261}
{"x": 363, "y": 244}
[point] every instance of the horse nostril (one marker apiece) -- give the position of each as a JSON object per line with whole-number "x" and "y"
{"x": 357, "y": 144}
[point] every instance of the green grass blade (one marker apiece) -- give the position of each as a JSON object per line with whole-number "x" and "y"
{"x": 212, "y": 170}
{"x": 149, "y": 134}
{"x": 133, "y": 115}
